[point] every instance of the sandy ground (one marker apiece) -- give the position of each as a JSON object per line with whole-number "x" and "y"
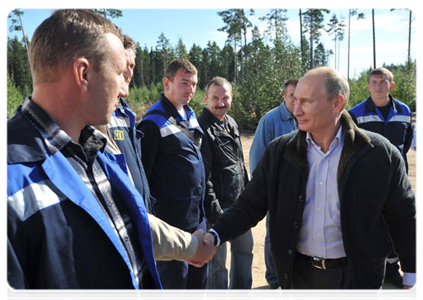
{"x": 259, "y": 232}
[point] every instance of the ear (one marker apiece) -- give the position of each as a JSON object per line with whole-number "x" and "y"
{"x": 392, "y": 85}
{"x": 205, "y": 98}
{"x": 166, "y": 83}
{"x": 81, "y": 69}
{"x": 338, "y": 103}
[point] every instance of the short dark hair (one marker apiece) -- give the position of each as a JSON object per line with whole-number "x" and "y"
{"x": 177, "y": 64}
{"x": 292, "y": 81}
{"x": 382, "y": 71}
{"x": 66, "y": 35}
{"x": 129, "y": 43}
{"x": 219, "y": 81}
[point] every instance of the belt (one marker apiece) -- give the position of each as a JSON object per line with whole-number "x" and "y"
{"x": 324, "y": 263}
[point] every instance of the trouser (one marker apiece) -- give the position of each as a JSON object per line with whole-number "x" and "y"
{"x": 241, "y": 264}
{"x": 271, "y": 277}
{"x": 307, "y": 276}
{"x": 180, "y": 275}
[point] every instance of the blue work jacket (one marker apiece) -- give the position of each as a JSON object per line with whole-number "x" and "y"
{"x": 59, "y": 237}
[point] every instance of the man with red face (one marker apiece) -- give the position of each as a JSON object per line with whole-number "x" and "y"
{"x": 226, "y": 178}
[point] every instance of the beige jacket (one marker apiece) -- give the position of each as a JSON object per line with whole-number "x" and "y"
{"x": 169, "y": 242}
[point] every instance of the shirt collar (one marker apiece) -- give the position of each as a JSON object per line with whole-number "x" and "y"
{"x": 55, "y": 137}
{"x": 338, "y": 140}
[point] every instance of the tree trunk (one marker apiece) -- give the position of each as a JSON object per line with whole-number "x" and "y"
{"x": 301, "y": 35}
{"x": 26, "y": 44}
{"x": 409, "y": 38}
{"x": 349, "y": 35}
{"x": 374, "y": 39}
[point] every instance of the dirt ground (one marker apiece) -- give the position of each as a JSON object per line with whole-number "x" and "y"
{"x": 259, "y": 232}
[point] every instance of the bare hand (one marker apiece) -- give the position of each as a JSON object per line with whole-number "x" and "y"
{"x": 205, "y": 250}
{"x": 411, "y": 292}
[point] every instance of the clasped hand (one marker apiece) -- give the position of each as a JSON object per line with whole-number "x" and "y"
{"x": 205, "y": 250}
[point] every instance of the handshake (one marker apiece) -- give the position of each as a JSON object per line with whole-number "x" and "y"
{"x": 205, "y": 250}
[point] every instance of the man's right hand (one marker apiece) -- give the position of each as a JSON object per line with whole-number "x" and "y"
{"x": 205, "y": 250}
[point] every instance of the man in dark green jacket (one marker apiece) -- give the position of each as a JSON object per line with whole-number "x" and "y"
{"x": 335, "y": 194}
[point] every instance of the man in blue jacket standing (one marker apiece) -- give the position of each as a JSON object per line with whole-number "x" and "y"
{"x": 383, "y": 114}
{"x": 174, "y": 166}
{"x": 75, "y": 220}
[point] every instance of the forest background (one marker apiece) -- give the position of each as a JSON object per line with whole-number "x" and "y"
{"x": 256, "y": 63}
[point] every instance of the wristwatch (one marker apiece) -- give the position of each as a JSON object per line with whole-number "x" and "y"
{"x": 214, "y": 237}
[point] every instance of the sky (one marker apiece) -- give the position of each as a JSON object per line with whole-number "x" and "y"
{"x": 199, "y": 25}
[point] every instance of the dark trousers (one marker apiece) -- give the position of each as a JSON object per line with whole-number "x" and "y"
{"x": 180, "y": 275}
{"x": 307, "y": 276}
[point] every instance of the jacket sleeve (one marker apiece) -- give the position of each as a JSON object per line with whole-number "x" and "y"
{"x": 251, "y": 206}
{"x": 409, "y": 137}
{"x": 149, "y": 145}
{"x": 16, "y": 250}
{"x": 171, "y": 243}
{"x": 262, "y": 138}
{"x": 211, "y": 203}
{"x": 400, "y": 214}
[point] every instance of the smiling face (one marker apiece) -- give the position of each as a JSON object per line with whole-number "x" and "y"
{"x": 108, "y": 84}
{"x": 219, "y": 100}
{"x": 181, "y": 89}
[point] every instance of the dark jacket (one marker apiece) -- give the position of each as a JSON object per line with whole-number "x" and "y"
{"x": 174, "y": 165}
{"x": 223, "y": 158}
{"x": 59, "y": 237}
{"x": 376, "y": 200}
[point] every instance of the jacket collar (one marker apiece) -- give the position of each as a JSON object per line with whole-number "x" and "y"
{"x": 31, "y": 132}
{"x": 212, "y": 120}
{"x": 354, "y": 140}
{"x": 284, "y": 112}
{"x": 371, "y": 107}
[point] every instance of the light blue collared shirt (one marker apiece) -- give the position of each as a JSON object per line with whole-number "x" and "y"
{"x": 320, "y": 233}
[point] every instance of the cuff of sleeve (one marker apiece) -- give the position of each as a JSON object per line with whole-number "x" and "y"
{"x": 409, "y": 279}
{"x": 217, "y": 236}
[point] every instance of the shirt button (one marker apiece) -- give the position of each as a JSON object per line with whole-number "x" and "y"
{"x": 285, "y": 276}
{"x": 320, "y": 183}
{"x": 301, "y": 198}
{"x": 296, "y": 225}
{"x": 290, "y": 252}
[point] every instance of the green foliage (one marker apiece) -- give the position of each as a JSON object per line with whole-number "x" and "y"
{"x": 358, "y": 89}
{"x": 141, "y": 98}
{"x": 14, "y": 98}
{"x": 405, "y": 84}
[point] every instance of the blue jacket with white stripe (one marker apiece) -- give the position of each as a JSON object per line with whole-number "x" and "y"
{"x": 59, "y": 237}
{"x": 174, "y": 165}
{"x": 397, "y": 128}
{"x": 128, "y": 139}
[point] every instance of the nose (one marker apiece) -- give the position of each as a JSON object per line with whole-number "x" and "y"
{"x": 297, "y": 108}
{"x": 124, "y": 88}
